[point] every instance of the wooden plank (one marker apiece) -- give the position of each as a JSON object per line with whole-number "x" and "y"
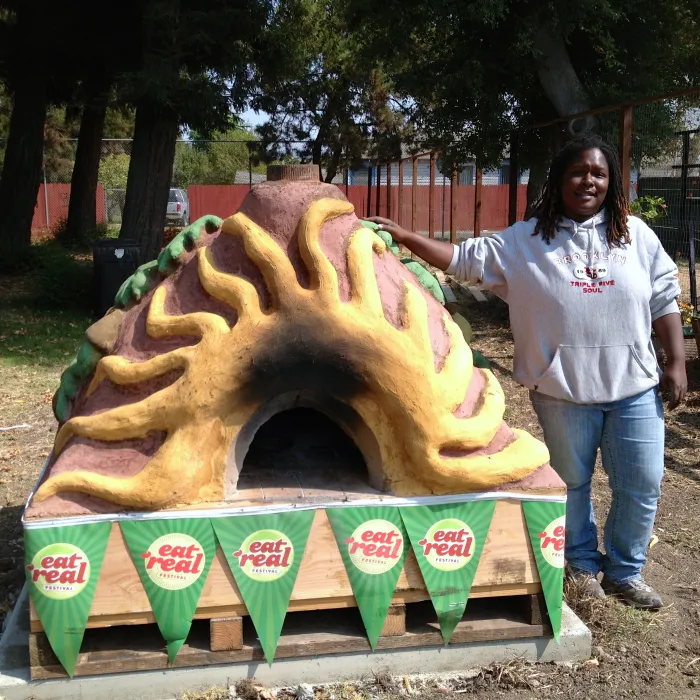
{"x": 450, "y": 297}
{"x": 369, "y": 191}
{"x": 399, "y": 213}
{"x": 507, "y": 567}
{"x": 431, "y": 198}
{"x": 378, "y": 203}
{"x": 388, "y": 190}
{"x": 147, "y": 618}
{"x": 513, "y": 178}
{"x": 225, "y": 633}
{"x": 477, "y": 293}
{"x": 626, "y": 147}
{"x": 609, "y": 108}
{"x": 453, "y": 207}
{"x": 395, "y": 622}
{"x": 535, "y": 609}
{"x": 414, "y": 190}
{"x": 304, "y": 634}
{"x": 40, "y": 652}
{"x": 477, "y": 202}
{"x": 479, "y": 296}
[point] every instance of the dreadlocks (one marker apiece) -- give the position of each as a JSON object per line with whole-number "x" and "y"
{"x": 549, "y": 210}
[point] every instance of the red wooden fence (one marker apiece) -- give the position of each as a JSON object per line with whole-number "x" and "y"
{"x": 225, "y": 200}
{"x": 54, "y": 202}
{"x": 220, "y": 200}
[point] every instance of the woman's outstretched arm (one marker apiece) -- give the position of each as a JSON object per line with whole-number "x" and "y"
{"x": 436, "y": 253}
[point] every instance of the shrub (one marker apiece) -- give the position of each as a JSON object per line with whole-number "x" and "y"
{"x": 86, "y": 239}
{"x": 61, "y": 278}
{"x": 649, "y": 208}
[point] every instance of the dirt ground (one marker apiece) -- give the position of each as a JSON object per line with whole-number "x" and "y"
{"x": 638, "y": 655}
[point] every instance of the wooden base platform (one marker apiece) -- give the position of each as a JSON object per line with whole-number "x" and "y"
{"x": 507, "y": 567}
{"x": 118, "y": 650}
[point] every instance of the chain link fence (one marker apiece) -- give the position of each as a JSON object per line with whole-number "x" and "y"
{"x": 240, "y": 164}
{"x": 233, "y": 163}
{"x": 666, "y": 175}
{"x": 659, "y": 141}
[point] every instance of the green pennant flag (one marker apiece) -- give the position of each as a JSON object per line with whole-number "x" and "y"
{"x": 62, "y": 565}
{"x": 546, "y": 526}
{"x": 173, "y": 559}
{"x": 448, "y": 540}
{"x": 371, "y": 541}
{"x": 264, "y": 553}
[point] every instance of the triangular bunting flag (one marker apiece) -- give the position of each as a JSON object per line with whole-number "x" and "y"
{"x": 546, "y": 525}
{"x": 173, "y": 559}
{"x": 62, "y": 566}
{"x": 372, "y": 543}
{"x": 448, "y": 540}
{"x": 264, "y": 553}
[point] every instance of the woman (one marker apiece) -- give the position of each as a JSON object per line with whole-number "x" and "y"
{"x": 586, "y": 283}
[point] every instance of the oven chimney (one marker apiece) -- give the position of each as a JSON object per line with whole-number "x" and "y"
{"x": 297, "y": 172}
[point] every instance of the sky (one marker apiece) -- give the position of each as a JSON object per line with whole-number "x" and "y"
{"x": 253, "y": 118}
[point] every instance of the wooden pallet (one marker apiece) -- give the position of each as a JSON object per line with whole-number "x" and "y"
{"x": 233, "y": 641}
{"x": 507, "y": 567}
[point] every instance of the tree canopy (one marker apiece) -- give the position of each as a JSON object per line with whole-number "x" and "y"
{"x": 474, "y": 70}
{"x": 215, "y": 160}
{"x": 342, "y": 81}
{"x": 333, "y": 107}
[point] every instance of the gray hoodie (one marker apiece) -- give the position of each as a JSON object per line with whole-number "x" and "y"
{"x": 581, "y": 312}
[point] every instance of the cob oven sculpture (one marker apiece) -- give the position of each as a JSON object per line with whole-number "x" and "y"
{"x": 291, "y": 301}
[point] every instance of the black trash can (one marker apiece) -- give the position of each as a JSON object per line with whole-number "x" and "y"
{"x": 113, "y": 261}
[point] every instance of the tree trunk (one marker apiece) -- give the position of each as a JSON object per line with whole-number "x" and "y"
{"x": 536, "y": 183}
{"x": 557, "y": 76}
{"x": 316, "y": 150}
{"x": 321, "y": 137}
{"x": 22, "y": 168}
{"x": 150, "y": 175}
{"x": 567, "y": 94}
{"x": 82, "y": 218}
{"x": 332, "y": 170}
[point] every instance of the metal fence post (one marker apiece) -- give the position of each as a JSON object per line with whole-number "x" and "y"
{"x": 684, "y": 179}
{"x": 686, "y": 226}
{"x": 691, "y": 266}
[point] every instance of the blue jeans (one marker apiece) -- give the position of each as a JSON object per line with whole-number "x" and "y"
{"x": 630, "y": 435}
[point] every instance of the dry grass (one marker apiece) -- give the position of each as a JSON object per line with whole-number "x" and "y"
{"x": 637, "y": 654}
{"x": 36, "y": 344}
{"x": 609, "y": 620}
{"x": 214, "y": 693}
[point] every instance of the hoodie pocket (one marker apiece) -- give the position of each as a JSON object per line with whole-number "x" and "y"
{"x": 598, "y": 374}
